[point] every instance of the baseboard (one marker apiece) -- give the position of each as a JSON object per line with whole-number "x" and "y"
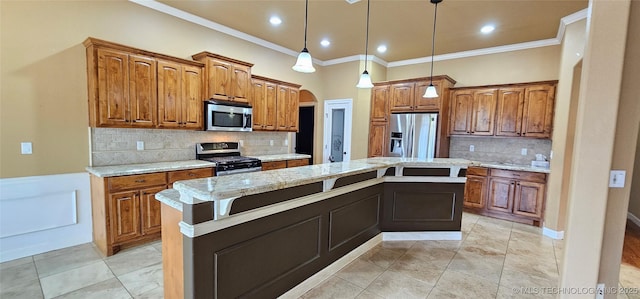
{"x": 558, "y": 235}
{"x": 44, "y": 213}
{"x": 634, "y": 219}
{"x": 420, "y": 236}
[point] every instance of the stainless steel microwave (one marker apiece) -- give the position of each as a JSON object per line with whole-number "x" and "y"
{"x": 227, "y": 116}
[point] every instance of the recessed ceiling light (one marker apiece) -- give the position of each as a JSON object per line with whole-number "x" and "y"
{"x": 486, "y": 29}
{"x": 325, "y": 42}
{"x": 275, "y": 21}
{"x": 382, "y": 48}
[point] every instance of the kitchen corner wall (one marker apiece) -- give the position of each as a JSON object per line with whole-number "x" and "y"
{"x": 118, "y": 146}
{"x": 505, "y": 150}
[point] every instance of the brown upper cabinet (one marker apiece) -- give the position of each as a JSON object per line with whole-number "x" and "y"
{"x": 514, "y": 110}
{"x": 380, "y": 103}
{"x": 226, "y": 78}
{"x": 275, "y": 104}
{"x": 128, "y": 86}
{"x": 407, "y": 97}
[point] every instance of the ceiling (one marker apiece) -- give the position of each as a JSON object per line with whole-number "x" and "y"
{"x": 404, "y": 26}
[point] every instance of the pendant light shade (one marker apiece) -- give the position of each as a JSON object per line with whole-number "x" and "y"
{"x": 304, "y": 64}
{"x": 431, "y": 91}
{"x": 365, "y": 79}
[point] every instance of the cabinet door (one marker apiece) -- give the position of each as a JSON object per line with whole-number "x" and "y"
{"x": 219, "y": 75}
{"x": 483, "y": 112}
{"x": 270, "y": 106}
{"x": 501, "y": 193}
{"x": 150, "y": 210}
{"x": 169, "y": 93}
{"x": 475, "y": 191}
{"x": 281, "y": 106}
{"x": 124, "y": 215}
{"x": 509, "y": 115}
{"x": 293, "y": 103}
{"x": 192, "y": 97}
{"x": 297, "y": 162}
{"x": 378, "y": 136}
{"x": 241, "y": 81}
{"x": 402, "y": 97}
{"x": 461, "y": 105}
{"x": 113, "y": 88}
{"x": 380, "y": 103}
{"x": 143, "y": 90}
{"x": 258, "y": 103}
{"x": 274, "y": 165}
{"x": 423, "y": 104}
{"x": 529, "y": 197}
{"x": 537, "y": 116}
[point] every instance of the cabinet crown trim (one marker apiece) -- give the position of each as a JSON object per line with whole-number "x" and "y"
{"x": 257, "y": 77}
{"x": 508, "y": 85}
{"x": 217, "y": 56}
{"x": 92, "y": 41}
{"x": 411, "y": 80}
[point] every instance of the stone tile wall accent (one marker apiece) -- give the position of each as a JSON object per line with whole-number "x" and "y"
{"x": 494, "y": 149}
{"x": 118, "y": 146}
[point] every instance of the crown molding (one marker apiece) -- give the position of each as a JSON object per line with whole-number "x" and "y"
{"x": 161, "y": 7}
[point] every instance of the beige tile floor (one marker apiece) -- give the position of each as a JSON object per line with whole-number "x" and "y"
{"x": 494, "y": 258}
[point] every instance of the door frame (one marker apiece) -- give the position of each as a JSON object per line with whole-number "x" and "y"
{"x": 347, "y": 105}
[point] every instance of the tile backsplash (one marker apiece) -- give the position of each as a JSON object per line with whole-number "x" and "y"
{"x": 504, "y": 150}
{"x": 118, "y": 146}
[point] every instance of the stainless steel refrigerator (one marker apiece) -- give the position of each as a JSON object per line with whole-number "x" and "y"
{"x": 413, "y": 135}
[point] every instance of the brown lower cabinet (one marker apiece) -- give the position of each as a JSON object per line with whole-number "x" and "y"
{"x": 512, "y": 195}
{"x": 124, "y": 208}
{"x": 284, "y": 164}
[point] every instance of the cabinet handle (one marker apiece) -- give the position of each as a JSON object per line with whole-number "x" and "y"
{"x": 140, "y": 181}
{"x": 518, "y": 133}
{"x": 473, "y": 132}
{"x": 524, "y": 133}
{"x": 192, "y": 174}
{"x": 133, "y": 121}
{"x": 144, "y": 193}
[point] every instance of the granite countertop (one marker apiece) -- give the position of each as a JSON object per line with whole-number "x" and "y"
{"x": 512, "y": 167}
{"x": 225, "y": 187}
{"x": 280, "y": 157}
{"x": 129, "y": 169}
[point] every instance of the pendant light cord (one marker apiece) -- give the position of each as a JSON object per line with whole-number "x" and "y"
{"x": 366, "y": 43}
{"x": 433, "y": 41}
{"x": 306, "y": 15}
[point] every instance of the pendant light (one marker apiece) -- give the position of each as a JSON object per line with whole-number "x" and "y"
{"x": 431, "y": 90}
{"x": 365, "y": 79}
{"x": 304, "y": 64}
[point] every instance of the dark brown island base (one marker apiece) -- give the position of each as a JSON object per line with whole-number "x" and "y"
{"x": 260, "y": 235}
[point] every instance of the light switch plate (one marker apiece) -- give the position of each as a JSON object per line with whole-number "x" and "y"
{"x": 271, "y": 142}
{"x": 140, "y": 145}
{"x": 523, "y": 151}
{"x": 616, "y": 178}
{"x": 26, "y": 148}
{"x": 472, "y": 148}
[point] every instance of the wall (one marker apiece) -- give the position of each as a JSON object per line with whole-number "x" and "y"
{"x": 505, "y": 150}
{"x": 43, "y": 88}
{"x": 118, "y": 146}
{"x": 634, "y": 199}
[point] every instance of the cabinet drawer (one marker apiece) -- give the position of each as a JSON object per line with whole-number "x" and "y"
{"x": 520, "y": 175}
{"x": 188, "y": 174}
{"x": 481, "y": 171}
{"x": 274, "y": 165}
{"x": 298, "y": 162}
{"x": 137, "y": 181}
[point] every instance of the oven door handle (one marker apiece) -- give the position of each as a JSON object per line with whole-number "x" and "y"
{"x": 247, "y": 121}
{"x": 243, "y": 170}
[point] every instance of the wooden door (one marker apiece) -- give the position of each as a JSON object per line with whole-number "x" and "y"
{"x": 293, "y": 106}
{"x": 475, "y": 191}
{"x": 259, "y": 104}
{"x": 528, "y": 199}
{"x": 113, "y": 88}
{"x": 241, "y": 81}
{"x": 281, "y": 106}
{"x": 501, "y": 193}
{"x": 509, "y": 114}
{"x": 461, "y": 105}
{"x": 192, "y": 99}
{"x": 423, "y": 104}
{"x": 124, "y": 216}
{"x": 537, "y": 116}
{"x": 401, "y": 97}
{"x": 150, "y": 210}
{"x": 483, "y": 112}
{"x": 143, "y": 91}
{"x": 270, "y": 106}
{"x": 378, "y": 135}
{"x": 169, "y": 94}
{"x": 380, "y": 103}
{"x": 219, "y": 75}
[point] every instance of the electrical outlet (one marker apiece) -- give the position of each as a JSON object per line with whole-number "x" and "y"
{"x": 286, "y": 142}
{"x": 271, "y": 142}
{"x": 26, "y": 148}
{"x": 472, "y": 148}
{"x": 616, "y": 178}
{"x": 140, "y": 145}
{"x": 241, "y": 143}
{"x": 523, "y": 151}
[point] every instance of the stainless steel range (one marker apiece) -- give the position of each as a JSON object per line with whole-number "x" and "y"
{"x": 227, "y": 157}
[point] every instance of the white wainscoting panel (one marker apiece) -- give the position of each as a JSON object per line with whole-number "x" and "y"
{"x": 44, "y": 213}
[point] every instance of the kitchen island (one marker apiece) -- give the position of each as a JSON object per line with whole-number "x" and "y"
{"x": 261, "y": 234}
